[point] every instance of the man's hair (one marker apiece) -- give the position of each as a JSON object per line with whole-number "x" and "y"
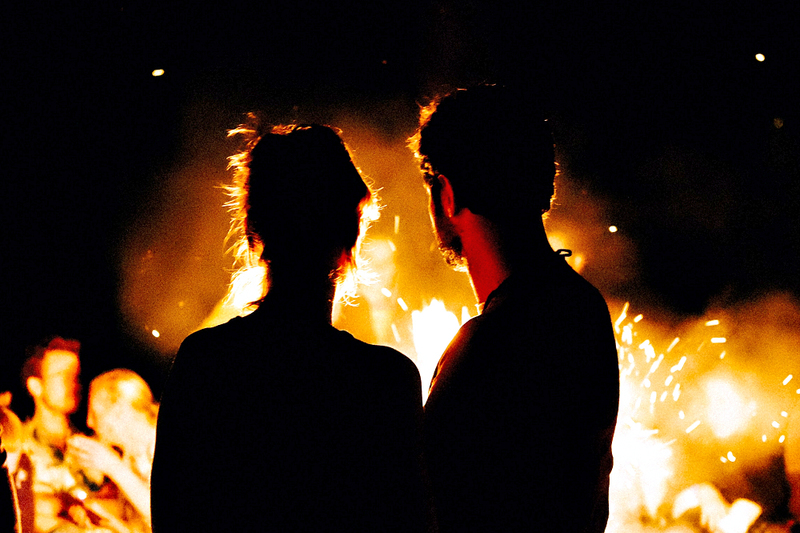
{"x": 297, "y": 198}
{"x": 123, "y": 385}
{"x": 33, "y": 364}
{"x": 494, "y": 148}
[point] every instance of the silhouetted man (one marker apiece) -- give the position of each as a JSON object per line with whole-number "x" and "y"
{"x": 523, "y": 405}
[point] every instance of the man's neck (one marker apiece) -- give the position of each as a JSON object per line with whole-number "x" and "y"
{"x": 489, "y": 264}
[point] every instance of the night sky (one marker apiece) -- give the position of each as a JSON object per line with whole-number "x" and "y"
{"x": 663, "y": 113}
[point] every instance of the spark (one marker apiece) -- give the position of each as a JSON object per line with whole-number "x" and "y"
{"x": 718, "y": 340}
{"x": 763, "y": 438}
{"x": 638, "y": 318}
{"x": 775, "y": 424}
{"x": 396, "y": 224}
{"x": 386, "y": 292}
{"x": 731, "y": 457}
{"x": 679, "y": 366}
{"x": 395, "y": 332}
{"x": 783, "y": 438}
{"x": 402, "y": 304}
{"x": 657, "y": 361}
{"x": 668, "y": 380}
{"x": 693, "y": 426}
{"x": 712, "y": 323}
{"x": 627, "y": 334}
{"x": 722, "y": 355}
{"x": 681, "y": 414}
{"x": 155, "y": 333}
{"x": 676, "y": 393}
{"x": 158, "y": 72}
{"x": 673, "y": 343}
{"x": 784, "y": 414}
{"x": 760, "y": 58}
{"x": 622, "y": 316}
{"x": 788, "y": 379}
{"x": 612, "y": 229}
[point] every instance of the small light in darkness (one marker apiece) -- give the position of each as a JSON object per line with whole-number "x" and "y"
{"x": 158, "y": 72}
{"x": 612, "y": 229}
{"x": 760, "y": 57}
{"x": 156, "y": 334}
{"x": 778, "y": 122}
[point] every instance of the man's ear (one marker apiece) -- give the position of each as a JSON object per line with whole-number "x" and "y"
{"x": 447, "y": 197}
{"x": 34, "y": 385}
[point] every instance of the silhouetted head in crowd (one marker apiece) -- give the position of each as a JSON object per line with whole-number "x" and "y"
{"x": 121, "y": 406}
{"x": 298, "y": 200}
{"x": 497, "y": 152}
{"x": 50, "y": 374}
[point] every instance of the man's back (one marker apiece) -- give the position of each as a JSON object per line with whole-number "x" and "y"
{"x": 521, "y": 414}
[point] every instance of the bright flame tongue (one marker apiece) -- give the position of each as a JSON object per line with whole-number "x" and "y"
{"x": 433, "y": 327}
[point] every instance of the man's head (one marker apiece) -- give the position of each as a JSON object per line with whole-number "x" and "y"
{"x": 117, "y": 399}
{"x": 51, "y": 376}
{"x": 497, "y": 154}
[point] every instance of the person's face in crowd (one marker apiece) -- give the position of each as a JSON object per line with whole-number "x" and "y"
{"x": 106, "y": 418}
{"x": 449, "y": 241}
{"x": 60, "y": 385}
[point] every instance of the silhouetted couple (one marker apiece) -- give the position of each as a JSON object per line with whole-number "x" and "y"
{"x": 277, "y": 421}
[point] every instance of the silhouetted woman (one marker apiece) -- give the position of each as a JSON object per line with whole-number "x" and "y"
{"x": 277, "y": 421}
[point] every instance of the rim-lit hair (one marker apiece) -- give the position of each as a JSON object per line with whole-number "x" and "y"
{"x": 495, "y": 149}
{"x": 123, "y": 385}
{"x": 297, "y": 203}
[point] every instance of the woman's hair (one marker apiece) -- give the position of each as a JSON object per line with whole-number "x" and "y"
{"x": 296, "y": 202}
{"x": 123, "y": 385}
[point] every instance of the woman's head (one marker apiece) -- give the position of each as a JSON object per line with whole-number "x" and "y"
{"x": 117, "y": 399}
{"x": 298, "y": 199}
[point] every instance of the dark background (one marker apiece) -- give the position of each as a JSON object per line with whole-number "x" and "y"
{"x": 664, "y": 112}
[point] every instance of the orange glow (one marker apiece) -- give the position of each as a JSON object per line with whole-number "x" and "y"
{"x": 158, "y": 72}
{"x": 727, "y": 411}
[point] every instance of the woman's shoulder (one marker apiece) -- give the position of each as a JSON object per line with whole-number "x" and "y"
{"x": 381, "y": 359}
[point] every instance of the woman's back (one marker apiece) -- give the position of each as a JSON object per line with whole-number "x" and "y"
{"x": 270, "y": 423}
